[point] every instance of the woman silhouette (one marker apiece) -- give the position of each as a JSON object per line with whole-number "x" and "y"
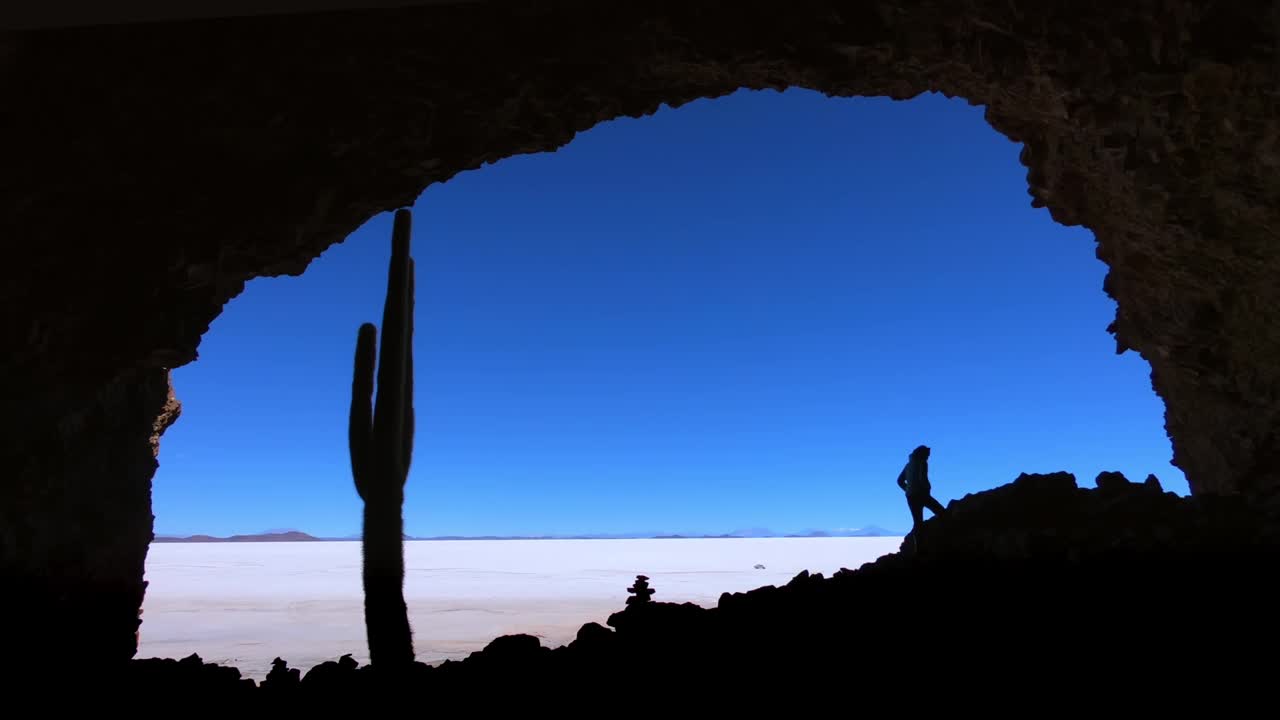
{"x": 914, "y": 481}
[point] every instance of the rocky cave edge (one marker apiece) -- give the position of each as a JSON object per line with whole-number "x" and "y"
{"x": 151, "y": 170}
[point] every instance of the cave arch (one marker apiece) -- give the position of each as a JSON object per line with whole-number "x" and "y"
{"x": 151, "y": 170}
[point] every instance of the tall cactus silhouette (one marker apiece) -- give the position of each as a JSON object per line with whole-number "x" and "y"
{"x": 381, "y": 442}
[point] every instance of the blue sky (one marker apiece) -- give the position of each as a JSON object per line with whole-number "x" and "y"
{"x": 740, "y": 313}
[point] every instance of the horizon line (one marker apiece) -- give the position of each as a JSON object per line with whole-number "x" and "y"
{"x": 868, "y": 531}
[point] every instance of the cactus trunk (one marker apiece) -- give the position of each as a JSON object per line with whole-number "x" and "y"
{"x": 381, "y": 441}
{"x": 386, "y": 615}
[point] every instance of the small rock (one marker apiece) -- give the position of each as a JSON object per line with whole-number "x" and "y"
{"x": 1046, "y": 482}
{"x": 512, "y": 647}
{"x": 593, "y": 635}
{"x": 1110, "y": 482}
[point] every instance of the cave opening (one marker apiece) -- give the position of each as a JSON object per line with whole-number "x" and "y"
{"x": 736, "y": 314}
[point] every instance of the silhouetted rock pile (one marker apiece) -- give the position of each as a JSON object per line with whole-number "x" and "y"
{"x": 1027, "y": 586}
{"x": 283, "y": 678}
{"x": 640, "y": 591}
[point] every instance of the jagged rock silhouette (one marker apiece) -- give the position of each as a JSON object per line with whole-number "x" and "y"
{"x": 1025, "y": 582}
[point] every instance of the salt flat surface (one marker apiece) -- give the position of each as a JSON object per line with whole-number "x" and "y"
{"x": 244, "y": 604}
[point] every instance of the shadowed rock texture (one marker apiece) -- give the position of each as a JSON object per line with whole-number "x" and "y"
{"x": 150, "y": 171}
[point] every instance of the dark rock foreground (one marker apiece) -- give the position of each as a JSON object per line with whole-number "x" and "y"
{"x": 1033, "y": 587}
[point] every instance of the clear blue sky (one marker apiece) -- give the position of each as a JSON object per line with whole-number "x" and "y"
{"x": 740, "y": 313}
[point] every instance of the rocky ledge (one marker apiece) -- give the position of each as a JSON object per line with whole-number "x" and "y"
{"x": 1038, "y": 584}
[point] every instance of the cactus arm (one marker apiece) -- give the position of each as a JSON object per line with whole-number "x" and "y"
{"x": 360, "y": 425}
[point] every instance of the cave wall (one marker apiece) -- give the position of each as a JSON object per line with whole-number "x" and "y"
{"x": 76, "y": 520}
{"x": 151, "y": 170}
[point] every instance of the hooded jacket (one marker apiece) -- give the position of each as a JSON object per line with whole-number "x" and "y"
{"x": 914, "y": 478}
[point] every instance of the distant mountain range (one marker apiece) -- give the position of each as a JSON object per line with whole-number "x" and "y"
{"x": 286, "y": 536}
{"x": 299, "y": 536}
